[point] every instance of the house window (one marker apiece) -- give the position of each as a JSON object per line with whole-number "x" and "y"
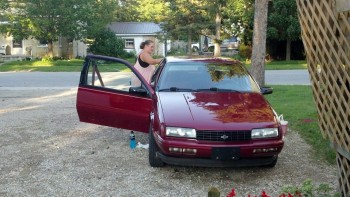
{"x": 17, "y": 43}
{"x": 43, "y": 43}
{"x": 129, "y": 44}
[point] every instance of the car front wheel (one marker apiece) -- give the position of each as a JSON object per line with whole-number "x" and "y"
{"x": 195, "y": 49}
{"x": 272, "y": 164}
{"x": 154, "y": 161}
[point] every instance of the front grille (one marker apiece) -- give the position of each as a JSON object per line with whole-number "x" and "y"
{"x": 227, "y": 136}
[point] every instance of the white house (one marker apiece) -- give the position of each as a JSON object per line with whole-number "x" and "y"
{"x": 134, "y": 33}
{"x": 35, "y": 48}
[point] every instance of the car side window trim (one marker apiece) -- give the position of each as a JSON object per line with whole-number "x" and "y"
{"x": 95, "y": 74}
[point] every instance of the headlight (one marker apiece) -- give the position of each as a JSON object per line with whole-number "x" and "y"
{"x": 264, "y": 133}
{"x": 180, "y": 132}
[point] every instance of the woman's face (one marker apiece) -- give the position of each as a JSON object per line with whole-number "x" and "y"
{"x": 149, "y": 48}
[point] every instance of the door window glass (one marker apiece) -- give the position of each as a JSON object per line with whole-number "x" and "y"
{"x": 109, "y": 75}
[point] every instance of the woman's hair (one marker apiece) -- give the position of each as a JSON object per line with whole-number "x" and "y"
{"x": 144, "y": 43}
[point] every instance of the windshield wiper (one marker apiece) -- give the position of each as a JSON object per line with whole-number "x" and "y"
{"x": 175, "y": 89}
{"x": 215, "y": 89}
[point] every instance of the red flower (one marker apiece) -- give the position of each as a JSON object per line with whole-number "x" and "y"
{"x": 232, "y": 193}
{"x": 263, "y": 194}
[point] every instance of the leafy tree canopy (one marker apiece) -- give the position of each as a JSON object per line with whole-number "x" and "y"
{"x": 186, "y": 20}
{"x": 238, "y": 19}
{"x": 141, "y": 11}
{"x": 283, "y": 21}
{"x": 47, "y": 20}
{"x": 107, "y": 43}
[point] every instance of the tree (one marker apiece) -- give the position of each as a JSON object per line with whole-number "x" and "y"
{"x": 259, "y": 41}
{"x": 186, "y": 20}
{"x": 107, "y": 43}
{"x": 283, "y": 23}
{"x": 152, "y": 10}
{"x": 215, "y": 8}
{"x": 239, "y": 19}
{"x": 140, "y": 11}
{"x": 47, "y": 20}
{"x": 127, "y": 11}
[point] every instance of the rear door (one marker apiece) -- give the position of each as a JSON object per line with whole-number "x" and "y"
{"x": 106, "y": 97}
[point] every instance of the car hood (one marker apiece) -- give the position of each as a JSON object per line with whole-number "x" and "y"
{"x": 216, "y": 110}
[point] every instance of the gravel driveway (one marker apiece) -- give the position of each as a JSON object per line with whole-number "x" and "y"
{"x": 46, "y": 151}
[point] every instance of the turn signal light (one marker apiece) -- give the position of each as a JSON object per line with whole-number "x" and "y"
{"x": 264, "y": 150}
{"x": 183, "y": 150}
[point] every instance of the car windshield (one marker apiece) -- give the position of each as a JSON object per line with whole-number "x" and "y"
{"x": 206, "y": 76}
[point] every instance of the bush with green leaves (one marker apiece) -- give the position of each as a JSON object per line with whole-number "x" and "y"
{"x": 108, "y": 44}
{"x": 308, "y": 189}
{"x": 245, "y": 51}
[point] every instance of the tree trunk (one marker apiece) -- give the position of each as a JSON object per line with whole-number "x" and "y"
{"x": 288, "y": 49}
{"x": 217, "y": 52}
{"x": 50, "y": 48}
{"x": 259, "y": 41}
{"x": 189, "y": 42}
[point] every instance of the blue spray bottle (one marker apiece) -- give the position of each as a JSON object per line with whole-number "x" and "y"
{"x": 132, "y": 140}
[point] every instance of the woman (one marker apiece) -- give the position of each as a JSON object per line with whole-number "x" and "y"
{"x": 145, "y": 63}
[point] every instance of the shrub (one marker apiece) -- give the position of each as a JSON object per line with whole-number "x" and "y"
{"x": 107, "y": 43}
{"x": 245, "y": 51}
{"x": 47, "y": 58}
{"x": 307, "y": 189}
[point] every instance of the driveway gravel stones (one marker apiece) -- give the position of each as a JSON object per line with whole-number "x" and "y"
{"x": 46, "y": 151}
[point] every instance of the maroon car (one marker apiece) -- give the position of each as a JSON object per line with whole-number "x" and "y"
{"x": 198, "y": 112}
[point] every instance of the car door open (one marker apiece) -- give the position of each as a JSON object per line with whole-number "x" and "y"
{"x": 105, "y": 95}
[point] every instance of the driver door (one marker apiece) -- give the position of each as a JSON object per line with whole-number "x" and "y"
{"x": 105, "y": 95}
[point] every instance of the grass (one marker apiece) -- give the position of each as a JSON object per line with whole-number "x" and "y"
{"x": 283, "y": 65}
{"x": 286, "y": 65}
{"x": 75, "y": 65}
{"x": 298, "y": 108}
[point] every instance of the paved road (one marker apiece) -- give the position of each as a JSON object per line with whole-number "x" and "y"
{"x": 67, "y": 80}
{"x": 287, "y": 77}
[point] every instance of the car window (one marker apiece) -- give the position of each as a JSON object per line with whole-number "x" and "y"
{"x": 198, "y": 76}
{"x": 109, "y": 75}
{"x": 157, "y": 72}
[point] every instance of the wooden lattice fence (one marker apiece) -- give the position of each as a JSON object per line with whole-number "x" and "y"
{"x": 326, "y": 37}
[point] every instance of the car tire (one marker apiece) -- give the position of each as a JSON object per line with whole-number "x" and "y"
{"x": 195, "y": 49}
{"x": 154, "y": 160}
{"x": 211, "y": 49}
{"x": 272, "y": 164}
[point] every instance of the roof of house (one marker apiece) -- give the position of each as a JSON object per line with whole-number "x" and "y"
{"x": 134, "y": 28}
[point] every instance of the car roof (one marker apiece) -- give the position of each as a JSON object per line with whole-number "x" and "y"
{"x": 202, "y": 59}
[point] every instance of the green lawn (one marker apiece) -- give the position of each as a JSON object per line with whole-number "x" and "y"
{"x": 75, "y": 65}
{"x": 298, "y": 108}
{"x": 284, "y": 65}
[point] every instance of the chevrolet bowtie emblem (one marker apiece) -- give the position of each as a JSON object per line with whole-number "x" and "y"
{"x": 224, "y": 137}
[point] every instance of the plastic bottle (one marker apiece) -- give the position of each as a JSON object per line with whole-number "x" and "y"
{"x": 132, "y": 140}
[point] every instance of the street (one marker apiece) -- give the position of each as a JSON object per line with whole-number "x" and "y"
{"x": 67, "y": 80}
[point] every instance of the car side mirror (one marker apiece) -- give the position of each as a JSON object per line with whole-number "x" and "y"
{"x": 138, "y": 90}
{"x": 266, "y": 90}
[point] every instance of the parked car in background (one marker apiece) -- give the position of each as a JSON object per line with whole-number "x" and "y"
{"x": 197, "y": 112}
{"x": 230, "y": 44}
{"x": 210, "y": 47}
{"x": 227, "y": 44}
{"x": 2, "y": 50}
